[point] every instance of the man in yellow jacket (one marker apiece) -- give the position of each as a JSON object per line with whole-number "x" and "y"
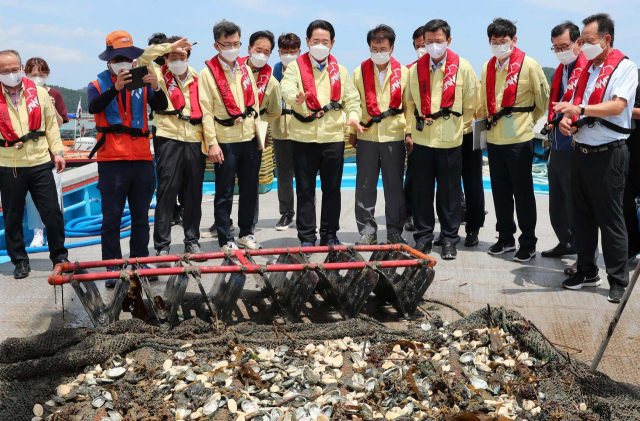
{"x": 28, "y": 135}
{"x": 319, "y": 90}
{"x": 381, "y": 82}
{"x": 442, "y": 99}
{"x": 514, "y": 96}
{"x": 229, "y": 102}
{"x": 178, "y": 144}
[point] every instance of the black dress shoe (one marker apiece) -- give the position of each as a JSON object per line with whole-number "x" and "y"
{"x": 438, "y": 241}
{"x": 22, "y": 269}
{"x": 449, "y": 251}
{"x": 408, "y": 226}
{"x": 558, "y": 251}
{"x": 471, "y": 240}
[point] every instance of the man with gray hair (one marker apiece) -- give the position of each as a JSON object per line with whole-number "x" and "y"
{"x": 230, "y": 104}
{"x": 29, "y": 135}
{"x": 599, "y": 116}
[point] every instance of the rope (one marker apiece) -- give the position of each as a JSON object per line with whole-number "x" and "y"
{"x": 442, "y": 303}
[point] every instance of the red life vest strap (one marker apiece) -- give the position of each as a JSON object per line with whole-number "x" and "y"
{"x": 509, "y": 95}
{"x": 34, "y": 111}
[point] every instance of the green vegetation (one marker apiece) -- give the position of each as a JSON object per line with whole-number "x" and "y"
{"x": 548, "y": 72}
{"x": 71, "y": 98}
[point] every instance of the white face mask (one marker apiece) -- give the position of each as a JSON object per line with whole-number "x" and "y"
{"x": 259, "y": 59}
{"x": 381, "y": 58}
{"x": 39, "y": 81}
{"x": 287, "y": 59}
{"x": 230, "y": 55}
{"x": 11, "y": 80}
{"x": 566, "y": 57}
{"x": 178, "y": 67}
{"x": 436, "y": 50}
{"x": 591, "y": 51}
{"x": 502, "y": 51}
{"x": 319, "y": 52}
{"x": 116, "y": 67}
{"x": 421, "y": 51}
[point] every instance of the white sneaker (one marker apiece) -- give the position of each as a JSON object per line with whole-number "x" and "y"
{"x": 230, "y": 246}
{"x": 38, "y": 238}
{"x": 249, "y": 242}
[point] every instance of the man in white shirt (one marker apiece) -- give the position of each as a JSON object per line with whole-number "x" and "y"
{"x": 600, "y": 115}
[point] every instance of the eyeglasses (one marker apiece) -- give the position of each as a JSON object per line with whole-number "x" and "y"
{"x": 228, "y": 46}
{"x": 316, "y": 42}
{"x": 382, "y": 50}
{"x": 561, "y": 48}
{"x": 8, "y": 72}
{"x": 504, "y": 42}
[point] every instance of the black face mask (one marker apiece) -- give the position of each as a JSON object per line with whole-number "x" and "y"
{"x": 159, "y": 61}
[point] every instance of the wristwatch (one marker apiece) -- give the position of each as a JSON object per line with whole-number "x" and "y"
{"x": 59, "y": 153}
{"x": 582, "y": 108}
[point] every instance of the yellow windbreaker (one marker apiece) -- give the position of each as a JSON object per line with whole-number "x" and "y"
{"x": 212, "y": 105}
{"x": 33, "y": 153}
{"x": 392, "y": 128}
{"x": 533, "y": 89}
{"x": 444, "y": 133}
{"x": 329, "y": 128}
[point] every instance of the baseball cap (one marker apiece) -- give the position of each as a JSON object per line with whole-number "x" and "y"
{"x": 120, "y": 43}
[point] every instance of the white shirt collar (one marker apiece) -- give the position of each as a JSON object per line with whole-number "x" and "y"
{"x": 186, "y": 79}
{"x": 504, "y": 66}
{"x": 235, "y": 67}
{"x": 382, "y": 74}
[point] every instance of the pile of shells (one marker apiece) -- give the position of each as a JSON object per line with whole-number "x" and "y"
{"x": 477, "y": 373}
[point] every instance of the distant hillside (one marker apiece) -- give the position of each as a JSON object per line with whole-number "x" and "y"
{"x": 71, "y": 98}
{"x": 548, "y": 72}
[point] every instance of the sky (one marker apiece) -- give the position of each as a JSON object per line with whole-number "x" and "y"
{"x": 70, "y": 34}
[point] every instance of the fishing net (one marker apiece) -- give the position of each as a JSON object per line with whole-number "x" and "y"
{"x": 31, "y": 368}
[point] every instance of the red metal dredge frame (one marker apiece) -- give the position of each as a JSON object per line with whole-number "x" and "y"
{"x": 397, "y": 274}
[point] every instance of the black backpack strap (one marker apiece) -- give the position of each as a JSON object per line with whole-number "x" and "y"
{"x": 591, "y": 121}
{"x": 315, "y": 114}
{"x": 378, "y": 118}
{"x": 32, "y": 135}
{"x": 507, "y": 112}
{"x": 116, "y": 129}
{"x": 231, "y": 121}
{"x": 444, "y": 113}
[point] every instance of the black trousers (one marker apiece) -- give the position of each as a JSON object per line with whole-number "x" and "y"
{"x": 39, "y": 182}
{"x": 473, "y": 185}
{"x": 597, "y": 184}
{"x": 371, "y": 157}
{"x": 560, "y": 197}
{"x": 407, "y": 187}
{"x": 443, "y": 166}
{"x": 309, "y": 158}
{"x": 241, "y": 159}
{"x": 282, "y": 149}
{"x": 180, "y": 170}
{"x": 631, "y": 192}
{"x": 120, "y": 181}
{"x": 510, "y": 168}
